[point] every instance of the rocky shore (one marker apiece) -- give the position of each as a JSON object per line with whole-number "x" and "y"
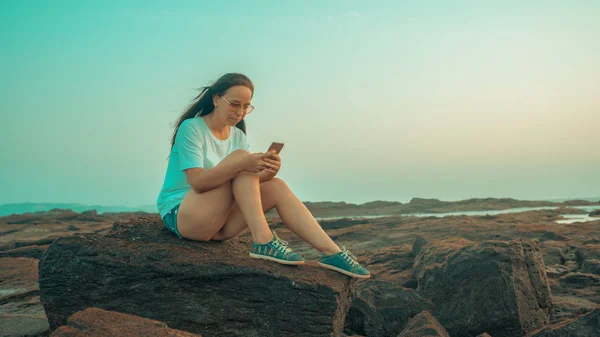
{"x": 513, "y": 274}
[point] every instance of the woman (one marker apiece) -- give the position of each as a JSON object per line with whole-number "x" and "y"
{"x": 214, "y": 187}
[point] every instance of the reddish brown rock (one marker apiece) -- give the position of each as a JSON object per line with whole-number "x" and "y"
{"x": 21, "y": 313}
{"x": 95, "y": 322}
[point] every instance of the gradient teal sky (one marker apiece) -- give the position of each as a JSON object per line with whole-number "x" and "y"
{"x": 376, "y": 100}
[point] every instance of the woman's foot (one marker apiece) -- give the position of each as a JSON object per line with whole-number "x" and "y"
{"x": 275, "y": 250}
{"x": 345, "y": 263}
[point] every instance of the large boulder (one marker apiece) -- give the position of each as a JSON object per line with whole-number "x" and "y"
{"x": 211, "y": 288}
{"x": 498, "y": 287}
{"x": 383, "y": 305}
{"x": 94, "y": 322}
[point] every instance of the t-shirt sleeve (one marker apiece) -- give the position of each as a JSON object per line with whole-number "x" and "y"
{"x": 189, "y": 147}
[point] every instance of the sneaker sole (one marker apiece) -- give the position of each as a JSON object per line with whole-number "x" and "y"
{"x": 343, "y": 271}
{"x": 264, "y": 257}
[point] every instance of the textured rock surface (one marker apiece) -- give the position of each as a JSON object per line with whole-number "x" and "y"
{"x": 493, "y": 286}
{"x": 424, "y": 325}
{"x": 383, "y": 308}
{"x": 587, "y": 325}
{"x": 21, "y": 313}
{"x": 210, "y": 288}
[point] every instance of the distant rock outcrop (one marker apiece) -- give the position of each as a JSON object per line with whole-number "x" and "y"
{"x": 210, "y": 288}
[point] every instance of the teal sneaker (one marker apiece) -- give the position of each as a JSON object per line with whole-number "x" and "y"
{"x": 275, "y": 250}
{"x": 345, "y": 263}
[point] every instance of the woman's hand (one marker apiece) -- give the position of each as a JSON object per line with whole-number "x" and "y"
{"x": 257, "y": 162}
{"x": 275, "y": 162}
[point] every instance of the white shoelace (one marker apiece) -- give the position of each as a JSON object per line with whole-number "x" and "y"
{"x": 281, "y": 243}
{"x": 348, "y": 256}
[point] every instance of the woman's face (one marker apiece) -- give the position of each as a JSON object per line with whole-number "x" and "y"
{"x": 233, "y": 104}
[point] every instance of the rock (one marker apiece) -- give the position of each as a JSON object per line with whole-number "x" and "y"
{"x": 591, "y": 266}
{"x": 493, "y": 286}
{"x": 587, "y": 252}
{"x": 94, "y": 322}
{"x": 484, "y": 335}
{"x": 72, "y": 228}
{"x": 553, "y": 252}
{"x": 547, "y": 236}
{"x": 34, "y": 251}
{"x": 595, "y": 213}
{"x": 556, "y": 271}
{"x": 141, "y": 269}
{"x": 593, "y": 240}
{"x": 424, "y": 325}
{"x": 382, "y": 308}
{"x": 579, "y": 280}
{"x": 18, "y": 279}
{"x": 21, "y": 219}
{"x": 17, "y": 325}
{"x": 583, "y": 326}
{"x": 35, "y": 242}
{"x": 79, "y": 217}
{"x": 91, "y": 212}
{"x": 21, "y": 313}
{"x": 418, "y": 244}
{"x": 568, "y": 306}
{"x": 391, "y": 264}
{"x": 339, "y": 223}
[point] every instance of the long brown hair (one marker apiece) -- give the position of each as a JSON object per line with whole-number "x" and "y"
{"x": 202, "y": 104}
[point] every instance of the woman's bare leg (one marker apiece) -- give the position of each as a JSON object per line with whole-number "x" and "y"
{"x": 248, "y": 206}
{"x": 201, "y": 215}
{"x": 246, "y": 192}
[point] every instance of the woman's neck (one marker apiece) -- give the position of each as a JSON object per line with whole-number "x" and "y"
{"x": 216, "y": 127}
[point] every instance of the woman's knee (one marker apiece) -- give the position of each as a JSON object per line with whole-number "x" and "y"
{"x": 275, "y": 183}
{"x": 235, "y": 155}
{"x": 238, "y": 153}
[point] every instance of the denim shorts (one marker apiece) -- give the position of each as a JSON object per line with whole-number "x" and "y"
{"x": 170, "y": 220}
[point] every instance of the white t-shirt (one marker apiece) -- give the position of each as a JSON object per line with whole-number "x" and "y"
{"x": 195, "y": 146}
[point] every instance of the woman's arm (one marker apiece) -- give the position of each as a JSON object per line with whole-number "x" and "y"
{"x": 190, "y": 147}
{"x": 203, "y": 180}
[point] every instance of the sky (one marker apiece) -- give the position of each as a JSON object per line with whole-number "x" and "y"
{"x": 376, "y": 100}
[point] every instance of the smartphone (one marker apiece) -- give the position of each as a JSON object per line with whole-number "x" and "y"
{"x": 276, "y": 146}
